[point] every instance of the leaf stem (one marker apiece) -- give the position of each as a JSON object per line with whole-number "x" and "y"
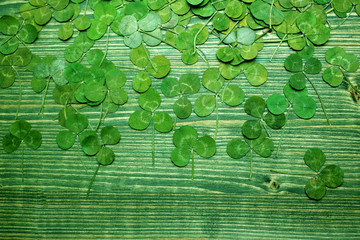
{"x": 175, "y": 123}
{"x": 321, "y": 102}
{"x": 198, "y": 32}
{"x": 282, "y": 134}
{"x": 148, "y": 56}
{"x": 329, "y": 11}
{"x": 251, "y": 164}
{"x": 20, "y": 93}
{"x": 22, "y": 162}
{"x": 230, "y": 31}
{"x": 86, "y": 5}
{"x": 44, "y": 97}
{"x": 153, "y": 144}
{"x": 162, "y": 40}
{"x": 350, "y": 83}
{"x": 92, "y": 180}
{"x": 107, "y": 46}
{"x": 99, "y": 122}
{"x": 265, "y": 128}
{"x": 292, "y": 173}
{"x": 192, "y": 164}
{"x": 217, "y": 116}
{"x": 278, "y": 46}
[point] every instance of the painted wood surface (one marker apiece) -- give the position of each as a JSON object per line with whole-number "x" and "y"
{"x": 130, "y": 199}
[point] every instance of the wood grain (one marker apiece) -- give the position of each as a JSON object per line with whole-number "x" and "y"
{"x": 132, "y": 200}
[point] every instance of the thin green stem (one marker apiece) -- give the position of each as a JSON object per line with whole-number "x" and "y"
{"x": 282, "y": 134}
{"x": 265, "y": 128}
{"x": 217, "y": 116}
{"x": 192, "y": 15}
{"x": 44, "y": 97}
{"x": 281, "y": 40}
{"x": 148, "y": 56}
{"x": 192, "y": 164}
{"x": 203, "y": 56}
{"x": 107, "y": 46}
{"x": 292, "y": 173}
{"x": 329, "y": 11}
{"x": 92, "y": 180}
{"x": 99, "y": 122}
{"x": 271, "y": 8}
{"x": 175, "y": 123}
{"x": 228, "y": 33}
{"x": 162, "y": 40}
{"x": 34, "y": 8}
{"x": 197, "y": 34}
{"x": 277, "y": 47}
{"x": 347, "y": 17}
{"x": 153, "y": 144}
{"x": 251, "y": 164}
{"x": 346, "y": 79}
{"x": 81, "y": 161}
{"x": 86, "y": 5}
{"x": 321, "y": 102}
{"x": 22, "y": 162}
{"x": 20, "y": 92}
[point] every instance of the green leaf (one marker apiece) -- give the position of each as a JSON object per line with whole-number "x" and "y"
{"x": 314, "y": 158}
{"x": 212, "y": 80}
{"x": 334, "y": 55}
{"x": 73, "y": 53}
{"x": 38, "y": 84}
{"x": 115, "y": 78}
{"x": 95, "y": 91}
{"x": 58, "y": 4}
{"x": 251, "y": 129}
{"x": 188, "y": 57}
{"x": 293, "y": 63}
{"x": 180, "y": 157}
{"x": 33, "y": 139}
{"x": 65, "y": 139}
{"x": 82, "y": 23}
{"x": 182, "y": 108}
{"x": 315, "y": 188}
{"x": 28, "y": 33}
{"x": 298, "y": 81}
{"x": 128, "y": 25}
{"x": 139, "y": 56}
{"x": 255, "y": 106}
{"x": 204, "y": 105}
{"x": 275, "y": 121}
{"x": 105, "y": 12}
{"x": 277, "y": 104}
{"x": 9, "y": 25}
{"x": 265, "y": 148}
{"x": 76, "y": 122}
{"x": 20, "y": 129}
{"x": 140, "y": 119}
{"x": 237, "y": 148}
{"x": 7, "y": 77}
{"x": 312, "y": 66}
{"x": 97, "y": 29}
{"x": 291, "y": 93}
{"x": 304, "y": 106}
{"x": 170, "y": 87}
{"x": 319, "y": 34}
{"x": 105, "y": 156}
{"x": 42, "y": 15}
{"x": 332, "y": 176}
{"x": 350, "y": 62}
{"x": 189, "y": 83}
{"x": 185, "y": 137}
{"x": 150, "y": 100}
{"x": 205, "y": 147}
{"x": 225, "y": 54}
{"x": 66, "y": 31}
{"x": 160, "y": 67}
{"x": 150, "y": 22}
{"x": 232, "y": 95}
{"x": 163, "y": 122}
{"x": 11, "y": 143}
{"x": 110, "y": 135}
{"x": 245, "y": 36}
{"x": 91, "y": 145}
{"x": 256, "y": 74}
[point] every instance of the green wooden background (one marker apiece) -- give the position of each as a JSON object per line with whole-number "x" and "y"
{"x": 132, "y": 200}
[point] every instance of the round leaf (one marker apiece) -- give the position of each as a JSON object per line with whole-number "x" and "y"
{"x": 185, "y": 137}
{"x": 140, "y": 119}
{"x": 105, "y": 156}
{"x": 110, "y": 135}
{"x": 315, "y": 188}
{"x": 65, "y": 139}
{"x": 20, "y": 128}
{"x": 91, "y": 145}
{"x": 232, "y": 95}
{"x": 160, "y": 67}
{"x": 180, "y": 157}
{"x": 150, "y": 100}
{"x": 205, "y": 147}
{"x": 251, "y": 129}
{"x": 314, "y": 158}
{"x": 304, "y": 106}
{"x": 255, "y": 106}
{"x": 182, "y": 108}
{"x": 76, "y": 122}
{"x": 237, "y": 148}
{"x": 256, "y": 74}
{"x": 277, "y": 104}
{"x": 11, "y": 143}
{"x": 204, "y": 105}
{"x": 332, "y": 176}
{"x": 33, "y": 139}
{"x": 163, "y": 122}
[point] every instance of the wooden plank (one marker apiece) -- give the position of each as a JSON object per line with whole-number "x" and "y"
{"x": 132, "y": 200}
